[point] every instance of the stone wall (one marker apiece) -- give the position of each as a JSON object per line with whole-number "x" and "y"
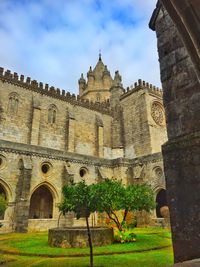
{"x": 64, "y": 166}
{"x": 49, "y": 137}
{"x": 181, "y": 153}
{"x": 74, "y": 128}
{"x": 144, "y": 120}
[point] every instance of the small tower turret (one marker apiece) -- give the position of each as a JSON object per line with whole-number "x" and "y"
{"x": 107, "y": 79}
{"x": 90, "y": 77}
{"x": 82, "y": 84}
{"x": 116, "y": 90}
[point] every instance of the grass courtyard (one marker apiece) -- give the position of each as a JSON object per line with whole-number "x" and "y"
{"x": 153, "y": 248}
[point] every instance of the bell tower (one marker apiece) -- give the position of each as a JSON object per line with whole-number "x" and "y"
{"x": 98, "y": 84}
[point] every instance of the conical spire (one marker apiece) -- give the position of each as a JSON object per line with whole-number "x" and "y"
{"x": 106, "y": 71}
{"x": 99, "y": 82}
{"x": 99, "y": 68}
{"x": 90, "y": 72}
{"x": 100, "y": 55}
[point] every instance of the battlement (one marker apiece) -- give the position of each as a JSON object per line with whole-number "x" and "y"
{"x": 39, "y": 87}
{"x": 140, "y": 85}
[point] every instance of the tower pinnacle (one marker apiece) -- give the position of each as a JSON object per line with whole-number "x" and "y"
{"x": 99, "y": 54}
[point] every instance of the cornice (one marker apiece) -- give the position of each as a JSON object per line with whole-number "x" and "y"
{"x": 53, "y": 154}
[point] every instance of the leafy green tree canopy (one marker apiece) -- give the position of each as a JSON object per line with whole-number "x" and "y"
{"x": 113, "y": 196}
{"x": 79, "y": 198}
{"x": 107, "y": 196}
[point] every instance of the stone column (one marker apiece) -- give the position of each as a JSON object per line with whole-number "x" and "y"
{"x": 21, "y": 211}
{"x": 35, "y": 126}
{"x": 71, "y": 134}
{"x": 100, "y": 141}
{"x": 117, "y": 133}
{"x": 182, "y": 152}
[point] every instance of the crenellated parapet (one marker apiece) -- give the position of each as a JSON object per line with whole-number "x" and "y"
{"x": 45, "y": 89}
{"x": 141, "y": 85}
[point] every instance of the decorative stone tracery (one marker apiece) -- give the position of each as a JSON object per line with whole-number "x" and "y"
{"x": 157, "y": 113}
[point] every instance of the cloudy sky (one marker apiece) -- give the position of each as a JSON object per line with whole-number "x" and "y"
{"x": 55, "y": 41}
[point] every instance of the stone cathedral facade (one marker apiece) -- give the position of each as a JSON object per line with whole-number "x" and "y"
{"x": 49, "y": 137}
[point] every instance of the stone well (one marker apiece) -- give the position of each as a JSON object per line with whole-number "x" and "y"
{"x": 71, "y": 237}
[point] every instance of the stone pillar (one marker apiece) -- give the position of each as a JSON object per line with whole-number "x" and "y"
{"x": 35, "y": 127}
{"x": 182, "y": 152}
{"x": 21, "y": 211}
{"x": 71, "y": 134}
{"x": 117, "y": 133}
{"x": 99, "y": 137}
{"x": 186, "y": 15}
{"x": 100, "y": 141}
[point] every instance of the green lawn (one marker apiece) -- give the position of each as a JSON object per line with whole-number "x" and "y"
{"x": 134, "y": 254}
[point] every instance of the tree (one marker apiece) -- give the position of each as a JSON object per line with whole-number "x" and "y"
{"x": 113, "y": 196}
{"x": 108, "y": 196}
{"x": 80, "y": 198}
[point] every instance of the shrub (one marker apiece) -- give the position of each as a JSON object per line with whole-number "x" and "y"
{"x": 124, "y": 237}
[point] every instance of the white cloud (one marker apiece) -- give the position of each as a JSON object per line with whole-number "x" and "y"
{"x": 55, "y": 41}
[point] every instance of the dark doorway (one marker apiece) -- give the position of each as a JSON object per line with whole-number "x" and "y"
{"x": 41, "y": 204}
{"x": 161, "y": 201}
{"x": 3, "y": 193}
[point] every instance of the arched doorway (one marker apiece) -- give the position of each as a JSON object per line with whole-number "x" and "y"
{"x": 41, "y": 204}
{"x": 3, "y": 193}
{"x": 161, "y": 201}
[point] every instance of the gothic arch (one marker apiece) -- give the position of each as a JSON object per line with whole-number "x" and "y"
{"x": 52, "y": 113}
{"x": 158, "y": 188}
{"x": 161, "y": 201}
{"x": 42, "y": 201}
{"x": 50, "y": 187}
{"x": 13, "y": 103}
{"x": 7, "y": 189}
{"x": 6, "y": 192}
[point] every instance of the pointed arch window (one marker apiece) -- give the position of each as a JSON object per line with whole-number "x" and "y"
{"x": 13, "y": 103}
{"x": 52, "y": 113}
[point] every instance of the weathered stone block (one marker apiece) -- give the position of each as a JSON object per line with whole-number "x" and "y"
{"x": 77, "y": 237}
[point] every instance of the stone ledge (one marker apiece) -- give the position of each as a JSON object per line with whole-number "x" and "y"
{"x": 182, "y": 142}
{"x": 45, "y": 152}
{"x": 192, "y": 263}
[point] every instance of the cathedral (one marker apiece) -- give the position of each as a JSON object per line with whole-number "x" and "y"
{"x": 49, "y": 137}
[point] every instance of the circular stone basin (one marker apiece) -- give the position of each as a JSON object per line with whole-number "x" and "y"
{"x": 77, "y": 237}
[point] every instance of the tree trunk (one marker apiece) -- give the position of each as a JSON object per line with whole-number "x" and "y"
{"x": 58, "y": 223}
{"x": 90, "y": 242}
{"x": 119, "y": 227}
